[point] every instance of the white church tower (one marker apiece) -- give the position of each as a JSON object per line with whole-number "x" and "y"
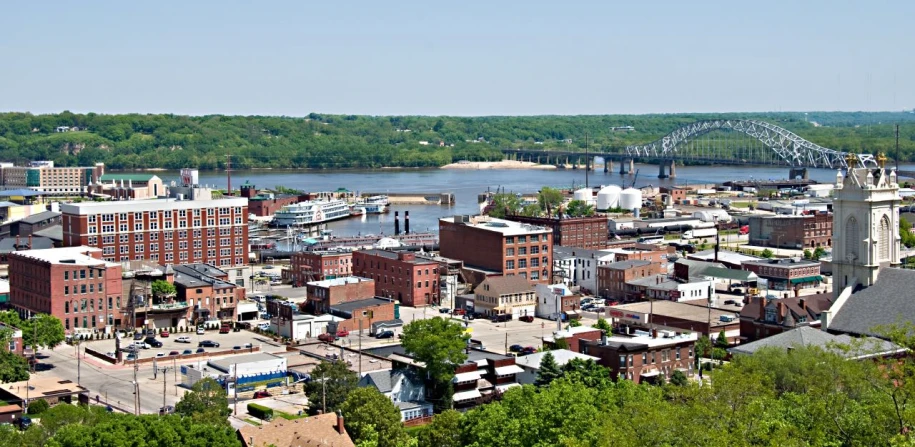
{"x": 865, "y": 224}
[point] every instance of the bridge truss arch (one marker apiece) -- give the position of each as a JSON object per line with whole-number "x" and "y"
{"x": 787, "y": 145}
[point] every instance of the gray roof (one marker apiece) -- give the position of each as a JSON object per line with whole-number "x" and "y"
{"x": 504, "y": 285}
{"x": 22, "y": 192}
{"x": 40, "y": 217}
{"x": 732, "y": 274}
{"x": 197, "y": 275}
{"x": 622, "y": 265}
{"x": 811, "y": 336}
{"x": 382, "y": 380}
{"x": 889, "y": 301}
{"x": 55, "y": 232}
{"x": 8, "y": 245}
{"x": 350, "y": 306}
{"x": 696, "y": 267}
{"x": 393, "y": 255}
{"x": 560, "y": 251}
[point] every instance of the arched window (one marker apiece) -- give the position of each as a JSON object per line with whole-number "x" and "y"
{"x": 852, "y": 238}
{"x": 66, "y": 307}
{"x": 883, "y": 243}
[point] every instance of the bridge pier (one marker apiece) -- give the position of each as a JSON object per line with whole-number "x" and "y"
{"x": 631, "y": 166}
{"x": 671, "y": 170}
{"x": 608, "y": 165}
{"x": 798, "y": 172}
{"x": 624, "y": 167}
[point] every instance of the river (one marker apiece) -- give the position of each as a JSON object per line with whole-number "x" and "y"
{"x": 467, "y": 184}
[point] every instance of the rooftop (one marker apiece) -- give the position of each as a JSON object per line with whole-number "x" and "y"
{"x": 42, "y": 386}
{"x": 225, "y": 363}
{"x": 624, "y": 265}
{"x": 67, "y": 255}
{"x": 13, "y": 243}
{"x": 393, "y": 256}
{"x": 785, "y": 262}
{"x": 806, "y": 336}
{"x": 887, "y": 302}
{"x": 725, "y": 256}
{"x": 40, "y": 217}
{"x": 193, "y": 275}
{"x": 566, "y": 252}
{"x": 22, "y": 192}
{"x": 320, "y": 430}
{"x": 129, "y": 206}
{"x": 350, "y": 306}
{"x": 642, "y": 339}
{"x": 662, "y": 282}
{"x": 504, "y": 285}
{"x": 126, "y": 177}
{"x": 506, "y": 227}
{"x": 684, "y": 311}
{"x": 562, "y": 356}
{"x": 342, "y": 281}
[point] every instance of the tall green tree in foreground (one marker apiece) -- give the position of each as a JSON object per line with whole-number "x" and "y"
{"x": 444, "y": 431}
{"x": 330, "y": 385}
{"x": 207, "y": 401}
{"x": 549, "y": 370}
{"x": 440, "y": 344}
{"x": 368, "y": 413}
{"x": 41, "y": 330}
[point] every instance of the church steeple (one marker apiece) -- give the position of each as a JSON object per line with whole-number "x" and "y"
{"x": 865, "y": 224}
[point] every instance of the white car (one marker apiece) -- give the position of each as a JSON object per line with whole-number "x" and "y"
{"x": 141, "y": 345}
{"x": 200, "y": 331}
{"x": 183, "y": 339}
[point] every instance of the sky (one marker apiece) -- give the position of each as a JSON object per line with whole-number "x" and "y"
{"x": 465, "y": 58}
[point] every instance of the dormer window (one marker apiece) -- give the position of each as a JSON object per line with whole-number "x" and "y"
{"x": 770, "y": 314}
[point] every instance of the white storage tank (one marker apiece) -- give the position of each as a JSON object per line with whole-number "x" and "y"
{"x": 583, "y": 194}
{"x": 608, "y": 197}
{"x": 630, "y": 198}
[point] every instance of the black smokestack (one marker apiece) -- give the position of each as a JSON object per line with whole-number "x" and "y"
{"x": 406, "y": 222}
{"x": 396, "y": 223}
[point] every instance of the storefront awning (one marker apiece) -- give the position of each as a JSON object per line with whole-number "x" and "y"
{"x": 510, "y": 369}
{"x": 466, "y": 377}
{"x": 816, "y": 278}
{"x": 466, "y": 395}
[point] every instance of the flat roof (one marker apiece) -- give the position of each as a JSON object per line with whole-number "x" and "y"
{"x": 393, "y": 256}
{"x": 226, "y": 362}
{"x": 784, "y": 262}
{"x": 339, "y": 281}
{"x": 359, "y": 304}
{"x": 666, "y": 283}
{"x": 505, "y": 227}
{"x": 67, "y": 255}
{"x": 42, "y": 386}
{"x": 683, "y": 311}
{"x": 131, "y": 206}
{"x": 22, "y": 192}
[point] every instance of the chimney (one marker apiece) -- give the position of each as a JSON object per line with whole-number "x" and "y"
{"x": 406, "y": 222}
{"x": 803, "y": 304}
{"x": 396, "y": 223}
{"x": 654, "y": 333}
{"x": 762, "y": 306}
{"x": 603, "y": 338}
{"x": 781, "y": 309}
{"x": 797, "y": 292}
{"x": 340, "y": 423}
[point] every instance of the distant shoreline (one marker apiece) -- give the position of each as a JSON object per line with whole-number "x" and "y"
{"x": 504, "y": 164}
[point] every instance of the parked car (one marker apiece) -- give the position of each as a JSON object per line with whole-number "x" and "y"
{"x": 342, "y": 333}
{"x": 187, "y": 352}
{"x": 247, "y": 346}
{"x": 261, "y": 394}
{"x": 183, "y": 339}
{"x": 200, "y": 351}
{"x": 527, "y": 318}
{"x": 24, "y": 422}
{"x": 153, "y": 342}
{"x": 132, "y": 356}
{"x": 168, "y": 409}
{"x": 164, "y": 334}
{"x": 730, "y": 302}
{"x": 200, "y": 331}
{"x": 515, "y": 348}
{"x": 138, "y": 336}
{"x": 528, "y": 350}
{"x": 264, "y": 326}
{"x": 208, "y": 344}
{"x": 160, "y": 355}
{"x": 225, "y": 330}
{"x": 327, "y": 337}
{"x": 385, "y": 334}
{"x": 141, "y": 345}
{"x": 444, "y": 310}
{"x": 173, "y": 353}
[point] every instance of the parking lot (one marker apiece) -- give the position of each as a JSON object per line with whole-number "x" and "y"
{"x": 170, "y": 343}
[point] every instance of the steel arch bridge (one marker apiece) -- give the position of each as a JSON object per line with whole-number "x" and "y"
{"x": 788, "y": 146}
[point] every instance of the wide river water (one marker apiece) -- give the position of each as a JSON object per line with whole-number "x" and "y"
{"x": 467, "y": 184}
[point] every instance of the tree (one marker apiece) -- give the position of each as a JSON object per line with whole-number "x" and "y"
{"x": 603, "y": 325}
{"x": 331, "y": 383}
{"x": 207, "y": 402}
{"x": 807, "y": 253}
{"x": 578, "y": 208}
{"x": 905, "y": 233}
{"x": 703, "y": 348}
{"x": 678, "y": 378}
{"x": 549, "y": 199}
{"x": 40, "y": 330}
{"x": 13, "y": 368}
{"x": 586, "y": 372}
{"x": 574, "y": 322}
{"x": 560, "y": 343}
{"x": 819, "y": 252}
{"x": 38, "y": 406}
{"x": 549, "y": 370}
{"x": 438, "y": 343}
{"x": 444, "y": 431}
{"x": 722, "y": 340}
{"x": 162, "y": 288}
{"x": 366, "y": 407}
{"x": 504, "y": 204}
{"x": 767, "y": 253}
{"x": 117, "y": 430}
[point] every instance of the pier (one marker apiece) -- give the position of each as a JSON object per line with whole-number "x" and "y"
{"x": 415, "y": 198}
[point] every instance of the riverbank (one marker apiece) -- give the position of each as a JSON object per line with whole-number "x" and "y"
{"x": 504, "y": 164}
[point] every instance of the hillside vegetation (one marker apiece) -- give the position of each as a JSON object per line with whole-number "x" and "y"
{"x": 349, "y": 141}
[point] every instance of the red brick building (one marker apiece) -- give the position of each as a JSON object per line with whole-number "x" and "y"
{"x": 266, "y": 203}
{"x": 73, "y": 284}
{"x": 207, "y": 293}
{"x": 324, "y": 295}
{"x": 307, "y": 266}
{"x": 612, "y": 278}
{"x": 399, "y": 275}
{"x": 579, "y": 232}
{"x": 366, "y": 312}
{"x": 761, "y": 318}
{"x": 786, "y": 274}
{"x": 575, "y": 336}
{"x": 168, "y": 231}
{"x": 498, "y": 245}
{"x": 794, "y": 232}
{"x": 676, "y": 193}
{"x": 644, "y": 358}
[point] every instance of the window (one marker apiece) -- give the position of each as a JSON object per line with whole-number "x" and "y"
{"x": 66, "y": 275}
{"x": 509, "y": 252}
{"x": 522, "y": 251}
{"x": 522, "y": 263}
{"x": 509, "y": 265}
{"x": 66, "y": 307}
{"x": 535, "y": 238}
{"x": 510, "y": 240}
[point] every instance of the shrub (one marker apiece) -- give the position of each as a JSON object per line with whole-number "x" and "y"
{"x": 38, "y": 406}
{"x": 260, "y": 411}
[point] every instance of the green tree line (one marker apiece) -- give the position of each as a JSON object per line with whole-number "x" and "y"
{"x": 323, "y": 141}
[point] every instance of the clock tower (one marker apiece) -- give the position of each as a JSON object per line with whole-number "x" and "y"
{"x": 865, "y": 224}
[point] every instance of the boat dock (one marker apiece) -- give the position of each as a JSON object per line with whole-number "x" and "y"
{"x": 415, "y": 198}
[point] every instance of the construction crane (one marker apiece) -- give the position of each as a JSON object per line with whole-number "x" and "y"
{"x": 635, "y": 178}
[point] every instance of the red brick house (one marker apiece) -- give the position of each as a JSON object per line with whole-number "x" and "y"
{"x": 310, "y": 266}
{"x": 366, "y": 312}
{"x": 612, "y": 278}
{"x": 399, "y": 275}
{"x": 761, "y": 317}
{"x": 644, "y": 357}
{"x": 324, "y": 295}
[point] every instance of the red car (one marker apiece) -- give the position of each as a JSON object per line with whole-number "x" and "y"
{"x": 163, "y": 334}
{"x": 527, "y": 318}
{"x": 342, "y": 333}
{"x": 260, "y": 394}
{"x": 327, "y": 337}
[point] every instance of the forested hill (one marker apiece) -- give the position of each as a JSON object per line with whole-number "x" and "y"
{"x": 350, "y": 141}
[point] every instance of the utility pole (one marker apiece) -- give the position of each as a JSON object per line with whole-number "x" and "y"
{"x": 587, "y": 157}
{"x": 235, "y": 386}
{"x": 164, "y": 370}
{"x": 323, "y": 394}
{"x": 136, "y": 388}
{"x": 360, "y": 348}
{"x": 506, "y": 343}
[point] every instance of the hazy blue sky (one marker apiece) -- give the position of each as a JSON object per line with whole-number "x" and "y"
{"x": 457, "y": 57}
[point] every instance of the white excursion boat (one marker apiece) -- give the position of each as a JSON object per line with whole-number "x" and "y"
{"x": 374, "y": 204}
{"x": 310, "y": 213}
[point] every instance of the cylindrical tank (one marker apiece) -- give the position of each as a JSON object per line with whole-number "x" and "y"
{"x": 630, "y": 198}
{"x": 608, "y": 197}
{"x": 583, "y": 194}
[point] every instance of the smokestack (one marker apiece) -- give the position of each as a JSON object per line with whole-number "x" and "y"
{"x": 396, "y": 223}
{"x": 340, "y": 423}
{"x": 406, "y": 222}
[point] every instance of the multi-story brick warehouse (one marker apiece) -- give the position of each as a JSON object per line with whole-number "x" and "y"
{"x": 307, "y": 266}
{"x": 399, "y": 275}
{"x": 579, "y": 232}
{"x": 498, "y": 245}
{"x": 795, "y": 232}
{"x": 73, "y": 284}
{"x": 168, "y": 231}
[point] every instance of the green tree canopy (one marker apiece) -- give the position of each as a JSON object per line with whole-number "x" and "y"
{"x": 40, "y": 330}
{"x": 331, "y": 383}
{"x": 905, "y": 233}
{"x": 444, "y": 431}
{"x": 365, "y": 408}
{"x": 162, "y": 288}
{"x": 207, "y": 401}
{"x": 504, "y": 204}
{"x": 603, "y": 325}
{"x": 549, "y": 200}
{"x": 578, "y": 208}
{"x": 549, "y": 370}
{"x": 438, "y": 343}
{"x": 766, "y": 253}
